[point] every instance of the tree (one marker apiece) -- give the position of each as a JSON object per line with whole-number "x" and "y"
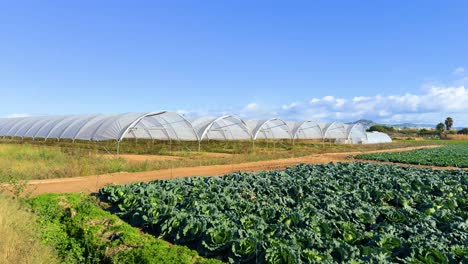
{"x": 464, "y": 131}
{"x": 381, "y": 128}
{"x": 448, "y": 123}
{"x": 440, "y": 128}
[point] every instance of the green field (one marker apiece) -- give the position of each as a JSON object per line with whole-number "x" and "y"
{"x": 450, "y": 155}
{"x": 350, "y": 212}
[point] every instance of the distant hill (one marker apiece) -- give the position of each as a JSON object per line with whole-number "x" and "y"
{"x": 368, "y": 123}
{"x": 419, "y": 126}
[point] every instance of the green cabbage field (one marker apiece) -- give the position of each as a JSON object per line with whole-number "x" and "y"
{"x": 345, "y": 212}
{"x": 452, "y": 155}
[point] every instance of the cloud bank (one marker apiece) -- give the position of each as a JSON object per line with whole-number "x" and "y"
{"x": 432, "y": 105}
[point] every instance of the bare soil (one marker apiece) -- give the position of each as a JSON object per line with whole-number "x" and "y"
{"x": 90, "y": 184}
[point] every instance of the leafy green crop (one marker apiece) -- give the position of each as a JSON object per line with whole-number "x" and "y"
{"x": 343, "y": 212}
{"x": 452, "y": 155}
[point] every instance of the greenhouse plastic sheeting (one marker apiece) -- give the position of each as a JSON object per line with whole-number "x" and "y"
{"x": 376, "y": 137}
{"x": 173, "y": 126}
{"x": 162, "y": 125}
{"x": 274, "y": 128}
{"x": 356, "y": 133}
{"x": 307, "y": 130}
{"x": 335, "y": 130}
{"x": 222, "y": 128}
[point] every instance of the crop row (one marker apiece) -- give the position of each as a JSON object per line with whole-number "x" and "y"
{"x": 308, "y": 213}
{"x": 452, "y": 155}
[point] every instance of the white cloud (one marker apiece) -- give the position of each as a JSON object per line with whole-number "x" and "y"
{"x": 459, "y": 71}
{"x": 358, "y": 99}
{"x": 290, "y": 106}
{"x": 251, "y": 107}
{"x": 314, "y": 100}
{"x": 430, "y": 105}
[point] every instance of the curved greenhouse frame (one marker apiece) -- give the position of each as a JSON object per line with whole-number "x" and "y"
{"x": 335, "y": 130}
{"x": 308, "y": 130}
{"x": 229, "y": 127}
{"x": 273, "y": 128}
{"x": 155, "y": 125}
{"x": 356, "y": 133}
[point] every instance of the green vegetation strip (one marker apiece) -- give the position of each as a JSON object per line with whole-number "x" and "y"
{"x": 82, "y": 232}
{"x": 451, "y": 155}
{"x": 309, "y": 213}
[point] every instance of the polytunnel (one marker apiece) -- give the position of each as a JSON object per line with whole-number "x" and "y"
{"x": 155, "y": 125}
{"x": 356, "y": 133}
{"x": 274, "y": 128}
{"x": 335, "y": 130}
{"x": 227, "y": 127}
{"x": 377, "y": 137}
{"x": 307, "y": 130}
{"x": 172, "y": 126}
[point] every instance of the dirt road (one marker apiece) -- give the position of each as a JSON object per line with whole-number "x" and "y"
{"x": 89, "y": 184}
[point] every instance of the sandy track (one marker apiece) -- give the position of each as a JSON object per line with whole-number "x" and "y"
{"x": 89, "y": 184}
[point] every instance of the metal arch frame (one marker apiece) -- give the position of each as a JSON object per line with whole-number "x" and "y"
{"x": 110, "y": 120}
{"x": 134, "y": 123}
{"x": 170, "y": 125}
{"x": 210, "y": 125}
{"x": 350, "y": 129}
{"x": 255, "y": 133}
{"x": 132, "y": 132}
{"x": 322, "y": 134}
{"x": 331, "y": 124}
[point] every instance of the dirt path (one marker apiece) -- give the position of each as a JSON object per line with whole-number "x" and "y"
{"x": 91, "y": 184}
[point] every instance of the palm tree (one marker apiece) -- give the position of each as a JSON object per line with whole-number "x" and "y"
{"x": 448, "y": 123}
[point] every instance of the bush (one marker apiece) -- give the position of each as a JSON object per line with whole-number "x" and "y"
{"x": 463, "y": 131}
{"x": 381, "y": 128}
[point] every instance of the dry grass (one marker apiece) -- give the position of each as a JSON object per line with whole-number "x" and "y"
{"x": 30, "y": 161}
{"x": 458, "y": 137}
{"x": 19, "y": 242}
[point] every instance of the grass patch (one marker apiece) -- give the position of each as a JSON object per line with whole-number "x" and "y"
{"x": 19, "y": 239}
{"x": 82, "y": 232}
{"x": 44, "y": 160}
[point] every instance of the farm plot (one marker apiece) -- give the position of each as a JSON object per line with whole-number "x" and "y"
{"x": 309, "y": 213}
{"x": 452, "y": 155}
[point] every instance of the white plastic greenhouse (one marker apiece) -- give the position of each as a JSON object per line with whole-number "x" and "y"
{"x": 173, "y": 126}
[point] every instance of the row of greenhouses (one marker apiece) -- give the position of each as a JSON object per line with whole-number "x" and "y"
{"x": 167, "y": 125}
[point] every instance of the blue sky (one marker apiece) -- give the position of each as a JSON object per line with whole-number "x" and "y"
{"x": 390, "y": 61}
